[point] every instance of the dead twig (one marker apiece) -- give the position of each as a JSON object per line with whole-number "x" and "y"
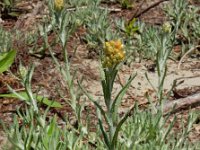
{"x": 189, "y": 77}
{"x": 85, "y": 7}
{"x": 189, "y": 51}
{"x": 135, "y": 13}
{"x": 147, "y": 9}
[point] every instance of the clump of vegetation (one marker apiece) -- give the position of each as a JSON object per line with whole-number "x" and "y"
{"x": 135, "y": 129}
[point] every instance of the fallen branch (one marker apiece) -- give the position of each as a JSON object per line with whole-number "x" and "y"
{"x": 178, "y": 104}
{"x": 175, "y": 105}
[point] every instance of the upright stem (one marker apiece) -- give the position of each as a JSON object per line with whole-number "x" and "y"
{"x": 109, "y": 111}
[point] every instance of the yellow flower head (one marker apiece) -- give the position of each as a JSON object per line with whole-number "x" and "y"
{"x": 167, "y": 27}
{"x": 59, "y": 4}
{"x": 113, "y": 53}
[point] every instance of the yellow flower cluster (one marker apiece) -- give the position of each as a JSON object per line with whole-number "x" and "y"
{"x": 59, "y": 4}
{"x": 114, "y": 53}
{"x": 167, "y": 27}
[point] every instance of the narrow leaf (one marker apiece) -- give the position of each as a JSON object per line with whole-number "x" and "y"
{"x": 7, "y": 60}
{"x": 114, "y": 140}
{"x": 39, "y": 98}
{"x": 122, "y": 92}
{"x": 92, "y": 99}
{"x": 104, "y": 134}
